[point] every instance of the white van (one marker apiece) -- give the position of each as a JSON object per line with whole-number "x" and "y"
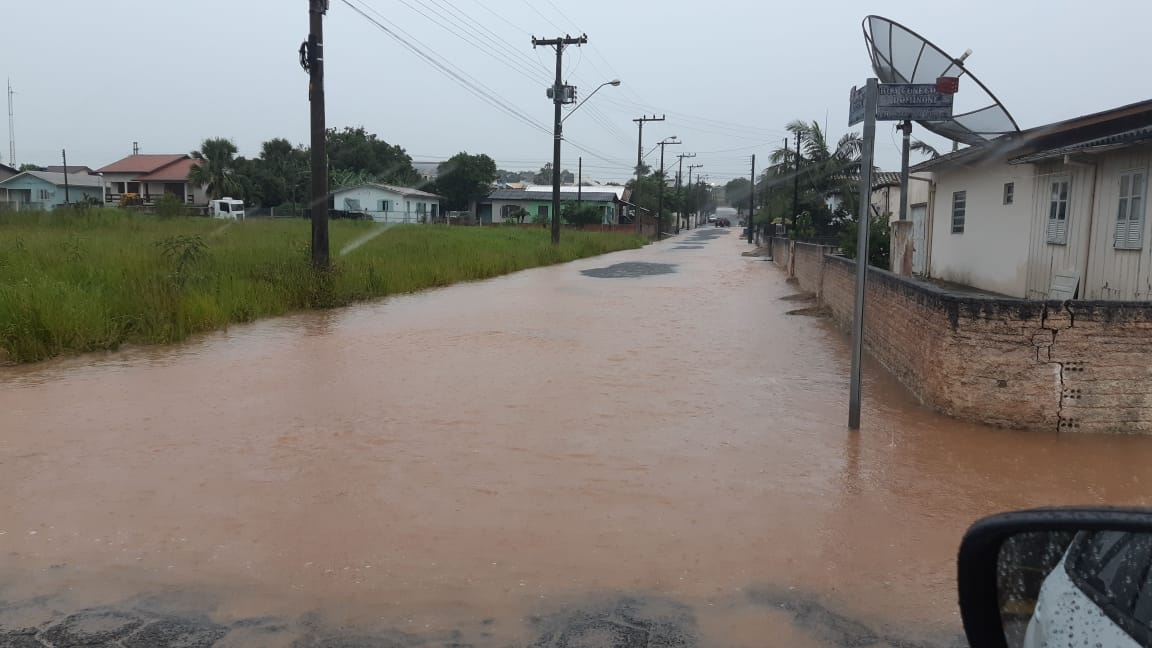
{"x": 226, "y": 208}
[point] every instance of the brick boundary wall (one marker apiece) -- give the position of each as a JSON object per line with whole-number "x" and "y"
{"x": 1067, "y": 366}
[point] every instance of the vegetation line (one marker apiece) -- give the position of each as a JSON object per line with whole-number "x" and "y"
{"x": 89, "y": 280}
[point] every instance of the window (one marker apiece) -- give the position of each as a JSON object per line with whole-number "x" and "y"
{"x": 44, "y": 194}
{"x": 352, "y": 204}
{"x": 1009, "y": 192}
{"x": 421, "y": 208}
{"x": 385, "y": 205}
{"x": 959, "y": 206}
{"x": 1110, "y": 567}
{"x": 1058, "y": 211}
{"x": 118, "y": 187}
{"x": 542, "y": 211}
{"x": 1130, "y": 211}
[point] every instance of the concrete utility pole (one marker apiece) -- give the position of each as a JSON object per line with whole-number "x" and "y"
{"x": 559, "y": 98}
{"x": 689, "y": 185}
{"x": 660, "y": 199}
{"x": 906, "y": 127}
{"x": 679, "y": 175}
{"x": 579, "y": 179}
{"x": 751, "y": 198}
{"x": 312, "y": 60}
{"x": 640, "y": 161}
{"x": 11, "y": 126}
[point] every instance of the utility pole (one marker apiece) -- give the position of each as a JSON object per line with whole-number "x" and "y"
{"x": 906, "y": 127}
{"x": 796, "y": 183}
{"x": 660, "y": 199}
{"x": 863, "y": 220}
{"x": 690, "y": 188}
{"x": 559, "y": 97}
{"x": 312, "y": 60}
{"x": 579, "y": 179}
{"x": 679, "y": 175}
{"x": 640, "y": 162}
{"x": 64, "y": 156}
{"x": 11, "y": 126}
{"x": 752, "y": 198}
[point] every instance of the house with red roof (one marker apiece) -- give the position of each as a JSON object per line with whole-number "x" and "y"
{"x": 150, "y": 176}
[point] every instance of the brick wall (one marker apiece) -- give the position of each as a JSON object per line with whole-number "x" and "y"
{"x": 1069, "y": 366}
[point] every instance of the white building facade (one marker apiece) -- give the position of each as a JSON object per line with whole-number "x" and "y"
{"x": 388, "y": 203}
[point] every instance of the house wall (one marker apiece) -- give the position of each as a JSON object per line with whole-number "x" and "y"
{"x": 1118, "y": 274}
{"x": 1070, "y": 367}
{"x": 1046, "y": 259}
{"x": 992, "y": 252}
{"x": 402, "y": 209}
{"x": 531, "y": 206}
{"x": 887, "y": 199}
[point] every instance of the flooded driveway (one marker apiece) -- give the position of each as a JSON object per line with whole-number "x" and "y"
{"x": 640, "y": 449}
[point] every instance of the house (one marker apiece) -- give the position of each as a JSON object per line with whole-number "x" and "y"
{"x": 7, "y": 171}
{"x": 1056, "y": 211}
{"x": 150, "y": 176}
{"x": 536, "y": 202}
{"x": 388, "y": 203}
{"x": 46, "y": 190}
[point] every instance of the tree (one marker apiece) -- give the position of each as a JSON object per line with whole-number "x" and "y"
{"x": 738, "y": 192}
{"x": 216, "y": 170}
{"x": 582, "y": 214}
{"x": 924, "y": 148}
{"x": 357, "y": 150}
{"x": 463, "y": 179}
{"x": 823, "y": 171}
{"x": 28, "y": 166}
{"x": 544, "y": 176}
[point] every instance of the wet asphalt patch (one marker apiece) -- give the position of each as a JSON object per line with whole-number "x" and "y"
{"x": 630, "y": 270}
{"x": 595, "y": 621}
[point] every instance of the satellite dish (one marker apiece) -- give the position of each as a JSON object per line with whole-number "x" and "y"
{"x": 900, "y": 55}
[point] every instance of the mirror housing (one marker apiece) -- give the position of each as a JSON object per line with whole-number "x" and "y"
{"x": 979, "y": 557}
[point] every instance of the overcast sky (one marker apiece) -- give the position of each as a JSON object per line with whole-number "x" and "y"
{"x": 94, "y": 77}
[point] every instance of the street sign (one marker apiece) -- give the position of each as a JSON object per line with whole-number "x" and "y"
{"x": 856, "y": 106}
{"x": 912, "y": 101}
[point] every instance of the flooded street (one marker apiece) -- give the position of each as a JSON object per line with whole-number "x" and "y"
{"x": 554, "y": 457}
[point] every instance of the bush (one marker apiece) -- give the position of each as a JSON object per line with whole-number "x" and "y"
{"x": 879, "y": 242}
{"x": 170, "y": 206}
{"x": 582, "y": 215}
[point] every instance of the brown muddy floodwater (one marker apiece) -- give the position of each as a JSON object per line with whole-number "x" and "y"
{"x": 631, "y": 460}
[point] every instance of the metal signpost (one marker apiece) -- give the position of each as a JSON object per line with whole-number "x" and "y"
{"x": 888, "y": 102}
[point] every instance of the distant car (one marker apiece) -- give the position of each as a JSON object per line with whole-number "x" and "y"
{"x": 1091, "y": 596}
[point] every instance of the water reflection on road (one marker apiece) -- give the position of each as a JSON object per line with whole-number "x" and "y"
{"x": 630, "y": 458}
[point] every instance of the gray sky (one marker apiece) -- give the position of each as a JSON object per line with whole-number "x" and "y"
{"x": 95, "y": 76}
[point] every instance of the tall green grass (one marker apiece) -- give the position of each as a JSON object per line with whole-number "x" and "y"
{"x": 72, "y": 282}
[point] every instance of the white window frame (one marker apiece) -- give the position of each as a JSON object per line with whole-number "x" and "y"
{"x": 384, "y": 205}
{"x": 1132, "y": 194}
{"x": 959, "y": 211}
{"x": 1059, "y": 208}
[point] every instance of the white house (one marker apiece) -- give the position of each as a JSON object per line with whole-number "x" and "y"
{"x": 150, "y": 176}
{"x": 1055, "y": 211}
{"x": 388, "y": 203}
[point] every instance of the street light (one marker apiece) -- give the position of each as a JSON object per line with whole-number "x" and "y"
{"x": 613, "y": 82}
{"x": 558, "y": 98}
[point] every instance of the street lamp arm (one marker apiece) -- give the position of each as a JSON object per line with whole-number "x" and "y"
{"x": 613, "y": 82}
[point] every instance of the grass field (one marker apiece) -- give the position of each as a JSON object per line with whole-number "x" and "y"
{"x": 76, "y": 282}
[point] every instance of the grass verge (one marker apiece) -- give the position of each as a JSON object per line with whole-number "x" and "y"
{"x": 72, "y": 282}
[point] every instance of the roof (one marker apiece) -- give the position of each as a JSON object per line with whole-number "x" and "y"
{"x": 1087, "y": 133}
{"x": 616, "y": 189}
{"x": 540, "y": 196}
{"x": 403, "y": 191}
{"x": 74, "y": 179}
{"x": 5, "y": 167}
{"x": 174, "y": 172}
{"x": 71, "y": 168}
{"x": 142, "y": 163}
{"x": 1096, "y": 145}
{"x": 885, "y": 179}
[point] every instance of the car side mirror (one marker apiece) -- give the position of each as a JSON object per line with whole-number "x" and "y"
{"x": 1061, "y": 577}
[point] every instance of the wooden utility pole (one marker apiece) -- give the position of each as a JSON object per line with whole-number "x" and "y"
{"x": 560, "y": 96}
{"x": 751, "y": 198}
{"x": 64, "y": 156}
{"x": 312, "y": 59}
{"x": 640, "y": 163}
{"x": 796, "y": 184}
{"x": 679, "y": 175}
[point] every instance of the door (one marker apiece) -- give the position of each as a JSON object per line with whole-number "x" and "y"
{"x": 918, "y": 214}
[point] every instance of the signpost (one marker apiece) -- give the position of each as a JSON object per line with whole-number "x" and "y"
{"x": 882, "y": 102}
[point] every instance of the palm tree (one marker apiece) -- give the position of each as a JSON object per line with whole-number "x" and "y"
{"x": 216, "y": 170}
{"x": 823, "y": 170}
{"x": 924, "y": 148}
